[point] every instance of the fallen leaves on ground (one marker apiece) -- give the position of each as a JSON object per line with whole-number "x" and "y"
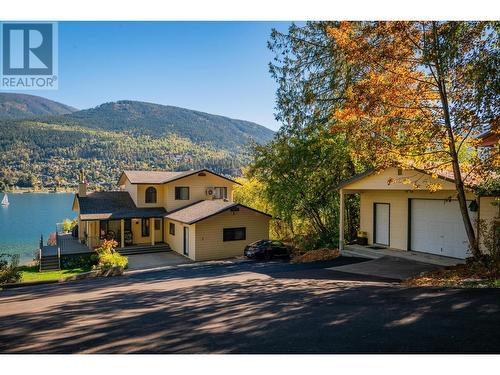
{"x": 468, "y": 275}
{"x": 316, "y": 255}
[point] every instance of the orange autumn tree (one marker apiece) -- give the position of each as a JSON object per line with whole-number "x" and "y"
{"x": 423, "y": 92}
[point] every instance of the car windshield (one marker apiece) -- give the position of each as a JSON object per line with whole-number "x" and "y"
{"x": 261, "y": 243}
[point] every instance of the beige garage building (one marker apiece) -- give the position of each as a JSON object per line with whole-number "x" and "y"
{"x": 398, "y": 211}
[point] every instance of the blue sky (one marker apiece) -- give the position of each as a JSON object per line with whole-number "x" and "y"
{"x": 215, "y": 67}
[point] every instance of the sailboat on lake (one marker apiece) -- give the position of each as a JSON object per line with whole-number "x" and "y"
{"x": 5, "y": 200}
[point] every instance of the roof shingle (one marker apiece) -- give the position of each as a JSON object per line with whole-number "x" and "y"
{"x": 162, "y": 177}
{"x": 204, "y": 209}
{"x": 110, "y": 205}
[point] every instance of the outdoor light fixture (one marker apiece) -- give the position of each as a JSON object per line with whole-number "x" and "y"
{"x": 473, "y": 206}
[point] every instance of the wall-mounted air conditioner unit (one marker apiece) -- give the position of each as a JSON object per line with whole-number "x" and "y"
{"x": 210, "y": 192}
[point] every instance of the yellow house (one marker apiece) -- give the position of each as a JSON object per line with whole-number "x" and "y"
{"x": 399, "y": 211}
{"x": 191, "y": 212}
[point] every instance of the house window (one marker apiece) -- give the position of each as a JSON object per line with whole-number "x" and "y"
{"x": 171, "y": 229}
{"x": 150, "y": 195}
{"x": 145, "y": 227}
{"x": 182, "y": 193}
{"x": 220, "y": 192}
{"x": 234, "y": 234}
{"x": 157, "y": 224}
{"x": 103, "y": 229}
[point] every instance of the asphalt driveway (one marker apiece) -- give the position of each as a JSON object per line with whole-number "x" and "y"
{"x": 248, "y": 308}
{"x": 388, "y": 267}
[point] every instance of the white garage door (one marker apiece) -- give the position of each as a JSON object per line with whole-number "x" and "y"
{"x": 437, "y": 227}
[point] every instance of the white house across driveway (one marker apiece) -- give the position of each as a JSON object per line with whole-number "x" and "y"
{"x": 397, "y": 214}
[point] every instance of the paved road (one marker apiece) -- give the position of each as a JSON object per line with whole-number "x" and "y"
{"x": 248, "y": 308}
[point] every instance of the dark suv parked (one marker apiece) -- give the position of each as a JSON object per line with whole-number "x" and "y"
{"x": 266, "y": 249}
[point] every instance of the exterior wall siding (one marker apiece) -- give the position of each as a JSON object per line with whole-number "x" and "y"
{"x": 209, "y": 233}
{"x": 165, "y": 193}
{"x": 92, "y": 233}
{"x": 489, "y": 212}
{"x": 197, "y": 189}
{"x": 176, "y": 241}
{"x": 137, "y": 237}
{"x": 141, "y": 196}
{"x": 131, "y": 189}
{"x": 380, "y": 181}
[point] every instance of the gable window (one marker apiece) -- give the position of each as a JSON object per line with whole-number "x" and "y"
{"x": 150, "y": 195}
{"x": 171, "y": 229}
{"x": 220, "y": 192}
{"x": 234, "y": 234}
{"x": 145, "y": 227}
{"x": 182, "y": 193}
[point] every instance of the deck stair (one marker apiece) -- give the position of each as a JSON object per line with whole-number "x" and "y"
{"x": 145, "y": 249}
{"x": 49, "y": 263}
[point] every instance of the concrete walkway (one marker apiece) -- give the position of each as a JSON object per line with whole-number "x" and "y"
{"x": 155, "y": 260}
{"x": 365, "y": 252}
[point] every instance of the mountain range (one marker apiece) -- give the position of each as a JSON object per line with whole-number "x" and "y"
{"x": 44, "y": 143}
{"x": 22, "y": 106}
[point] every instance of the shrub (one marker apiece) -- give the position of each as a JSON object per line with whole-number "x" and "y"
{"x": 107, "y": 247}
{"x": 108, "y": 261}
{"x": 108, "y": 257}
{"x": 85, "y": 261}
{"x": 9, "y": 271}
{"x": 68, "y": 225}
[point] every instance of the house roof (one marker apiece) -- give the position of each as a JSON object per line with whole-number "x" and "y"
{"x": 356, "y": 177}
{"x": 110, "y": 205}
{"x": 151, "y": 177}
{"x": 204, "y": 209}
{"x": 470, "y": 181}
{"x": 163, "y": 177}
{"x": 491, "y": 136}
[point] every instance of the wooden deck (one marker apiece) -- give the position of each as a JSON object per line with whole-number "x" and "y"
{"x": 67, "y": 244}
{"x": 70, "y": 245}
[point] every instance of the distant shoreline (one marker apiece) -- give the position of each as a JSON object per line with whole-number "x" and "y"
{"x": 24, "y": 191}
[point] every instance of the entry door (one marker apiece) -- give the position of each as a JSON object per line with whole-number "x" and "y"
{"x": 381, "y": 223}
{"x": 158, "y": 230}
{"x": 186, "y": 241}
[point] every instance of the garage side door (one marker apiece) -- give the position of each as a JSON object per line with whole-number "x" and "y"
{"x": 437, "y": 228}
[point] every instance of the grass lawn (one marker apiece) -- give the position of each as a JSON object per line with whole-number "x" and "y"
{"x": 31, "y": 273}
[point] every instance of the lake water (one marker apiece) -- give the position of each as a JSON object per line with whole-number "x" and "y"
{"x": 28, "y": 216}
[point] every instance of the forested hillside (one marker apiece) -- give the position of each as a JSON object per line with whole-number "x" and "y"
{"x": 21, "y": 106}
{"x": 155, "y": 120}
{"x": 35, "y": 154}
{"x": 44, "y": 143}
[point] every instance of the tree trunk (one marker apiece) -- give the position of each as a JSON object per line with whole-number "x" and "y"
{"x": 459, "y": 184}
